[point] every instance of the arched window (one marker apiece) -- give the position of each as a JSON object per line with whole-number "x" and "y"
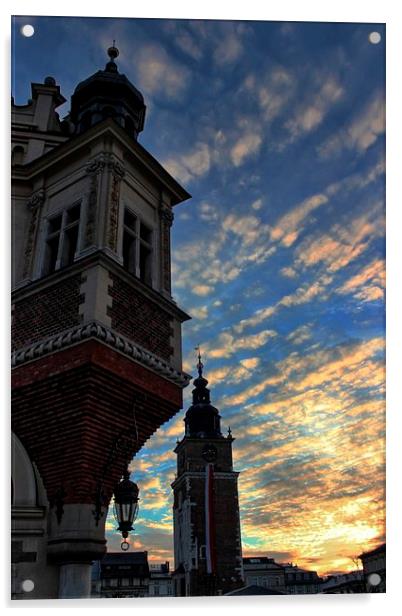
{"x": 17, "y": 156}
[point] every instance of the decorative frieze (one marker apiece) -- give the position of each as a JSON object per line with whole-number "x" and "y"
{"x": 109, "y": 337}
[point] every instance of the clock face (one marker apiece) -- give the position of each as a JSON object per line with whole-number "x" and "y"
{"x": 209, "y": 453}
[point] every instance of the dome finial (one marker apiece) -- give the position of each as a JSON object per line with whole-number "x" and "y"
{"x": 113, "y": 53}
{"x": 200, "y": 365}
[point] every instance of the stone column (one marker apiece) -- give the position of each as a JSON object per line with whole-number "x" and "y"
{"x": 75, "y": 581}
{"x": 75, "y": 540}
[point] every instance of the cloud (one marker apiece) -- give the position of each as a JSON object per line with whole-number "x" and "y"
{"x": 343, "y": 244}
{"x": 227, "y": 344}
{"x": 199, "y": 312}
{"x": 288, "y": 272}
{"x": 368, "y": 284}
{"x": 300, "y": 334}
{"x": 289, "y": 226}
{"x": 302, "y": 295}
{"x": 208, "y": 212}
{"x": 202, "y": 290}
{"x": 159, "y": 74}
{"x": 191, "y": 165}
{"x": 257, "y": 204}
{"x": 362, "y": 132}
{"x": 245, "y": 146}
{"x": 228, "y": 50}
{"x": 309, "y": 115}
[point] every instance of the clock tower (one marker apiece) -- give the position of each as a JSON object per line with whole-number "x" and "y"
{"x": 207, "y": 541}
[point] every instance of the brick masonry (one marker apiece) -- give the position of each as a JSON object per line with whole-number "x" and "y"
{"x": 47, "y": 312}
{"x": 70, "y": 407}
{"x": 191, "y": 471}
{"x": 140, "y": 319}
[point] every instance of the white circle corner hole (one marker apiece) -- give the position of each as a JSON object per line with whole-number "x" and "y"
{"x": 374, "y": 579}
{"x": 28, "y": 585}
{"x": 27, "y": 30}
{"x": 374, "y": 38}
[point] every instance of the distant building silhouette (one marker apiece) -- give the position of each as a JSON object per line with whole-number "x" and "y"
{"x": 207, "y": 541}
{"x": 374, "y": 568}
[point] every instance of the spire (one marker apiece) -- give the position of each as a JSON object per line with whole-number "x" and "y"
{"x": 200, "y": 365}
{"x": 200, "y": 393}
{"x": 202, "y": 419}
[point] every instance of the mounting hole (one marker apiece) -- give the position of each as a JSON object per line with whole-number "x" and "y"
{"x": 28, "y": 585}
{"x": 374, "y": 38}
{"x": 374, "y": 579}
{"x": 27, "y": 30}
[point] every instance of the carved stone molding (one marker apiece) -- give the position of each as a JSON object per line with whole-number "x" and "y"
{"x": 93, "y": 168}
{"x": 115, "y": 167}
{"x": 34, "y": 204}
{"x": 167, "y": 217}
{"x": 36, "y": 200}
{"x": 106, "y": 335}
{"x": 95, "y": 165}
{"x": 118, "y": 172}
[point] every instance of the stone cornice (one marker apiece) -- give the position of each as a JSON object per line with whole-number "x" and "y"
{"x": 100, "y": 332}
{"x": 133, "y": 149}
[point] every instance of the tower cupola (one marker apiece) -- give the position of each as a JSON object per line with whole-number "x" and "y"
{"x": 202, "y": 419}
{"x": 108, "y": 94}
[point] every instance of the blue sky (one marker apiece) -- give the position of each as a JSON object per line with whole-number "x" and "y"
{"x": 277, "y": 131}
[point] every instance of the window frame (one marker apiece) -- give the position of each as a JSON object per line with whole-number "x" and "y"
{"x": 61, "y": 234}
{"x": 135, "y": 234}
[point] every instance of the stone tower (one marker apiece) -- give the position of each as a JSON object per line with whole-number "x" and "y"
{"x": 207, "y": 542}
{"x": 96, "y": 335}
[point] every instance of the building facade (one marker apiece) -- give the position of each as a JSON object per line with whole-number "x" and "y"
{"x": 301, "y": 581}
{"x": 207, "y": 541}
{"x": 265, "y": 572}
{"x": 344, "y": 584}
{"x": 120, "y": 575}
{"x": 96, "y": 334}
{"x": 160, "y": 580}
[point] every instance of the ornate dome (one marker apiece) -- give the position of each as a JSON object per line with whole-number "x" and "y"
{"x": 106, "y": 94}
{"x": 202, "y": 419}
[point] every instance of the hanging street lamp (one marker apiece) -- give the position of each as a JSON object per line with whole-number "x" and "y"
{"x": 126, "y": 507}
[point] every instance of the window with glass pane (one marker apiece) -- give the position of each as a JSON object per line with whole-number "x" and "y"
{"x": 137, "y": 247}
{"x": 62, "y": 239}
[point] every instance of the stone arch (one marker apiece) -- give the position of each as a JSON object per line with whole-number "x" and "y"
{"x": 27, "y": 488}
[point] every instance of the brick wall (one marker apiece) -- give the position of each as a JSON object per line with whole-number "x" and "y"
{"x": 46, "y": 312}
{"x": 138, "y": 318}
{"x": 69, "y": 408}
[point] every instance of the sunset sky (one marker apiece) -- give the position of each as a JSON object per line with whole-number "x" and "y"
{"x": 277, "y": 131}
